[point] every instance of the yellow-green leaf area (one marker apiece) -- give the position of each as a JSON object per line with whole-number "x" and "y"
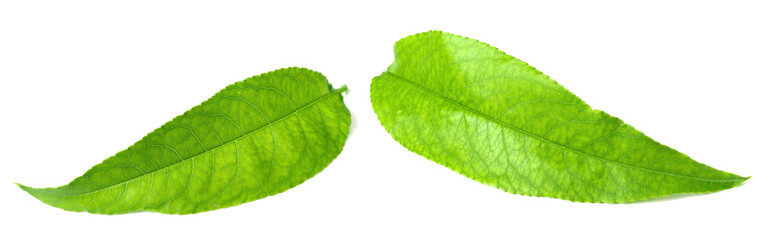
{"x": 493, "y": 118}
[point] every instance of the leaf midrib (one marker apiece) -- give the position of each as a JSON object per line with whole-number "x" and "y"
{"x": 529, "y": 134}
{"x": 314, "y": 102}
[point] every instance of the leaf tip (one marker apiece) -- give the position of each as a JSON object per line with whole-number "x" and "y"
{"x": 23, "y": 187}
{"x": 739, "y": 181}
{"x": 744, "y": 180}
{"x": 28, "y": 189}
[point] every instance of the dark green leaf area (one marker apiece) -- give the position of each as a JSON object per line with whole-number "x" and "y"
{"x": 253, "y": 139}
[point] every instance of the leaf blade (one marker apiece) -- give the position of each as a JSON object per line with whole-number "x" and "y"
{"x": 497, "y": 120}
{"x": 241, "y": 145}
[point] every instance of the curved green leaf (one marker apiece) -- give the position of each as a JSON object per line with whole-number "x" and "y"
{"x": 253, "y": 139}
{"x": 495, "y": 119}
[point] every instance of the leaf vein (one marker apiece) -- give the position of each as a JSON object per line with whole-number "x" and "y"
{"x": 474, "y": 111}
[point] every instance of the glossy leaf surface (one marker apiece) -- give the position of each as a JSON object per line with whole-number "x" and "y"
{"x": 253, "y": 139}
{"x": 493, "y": 118}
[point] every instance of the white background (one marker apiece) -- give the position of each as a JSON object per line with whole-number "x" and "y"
{"x": 80, "y": 81}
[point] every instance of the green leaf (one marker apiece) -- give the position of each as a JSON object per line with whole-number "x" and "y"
{"x": 495, "y": 119}
{"x": 253, "y": 139}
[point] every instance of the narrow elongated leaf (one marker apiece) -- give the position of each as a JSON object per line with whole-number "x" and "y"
{"x": 497, "y": 120}
{"x": 253, "y": 139}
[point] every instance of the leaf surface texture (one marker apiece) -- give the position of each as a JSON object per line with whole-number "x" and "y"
{"x": 253, "y": 139}
{"x": 493, "y": 118}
